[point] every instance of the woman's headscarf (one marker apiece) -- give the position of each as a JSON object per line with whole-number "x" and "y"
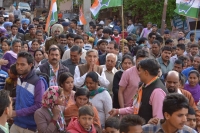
{"x": 50, "y": 97}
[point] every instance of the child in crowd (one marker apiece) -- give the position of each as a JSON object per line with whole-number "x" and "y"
{"x": 84, "y": 122}
{"x": 112, "y": 125}
{"x": 191, "y": 118}
{"x": 101, "y": 45}
{"x": 5, "y": 46}
{"x": 25, "y": 46}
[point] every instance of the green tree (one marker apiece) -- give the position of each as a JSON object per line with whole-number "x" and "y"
{"x": 150, "y": 10}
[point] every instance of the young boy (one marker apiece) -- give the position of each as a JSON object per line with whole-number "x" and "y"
{"x": 180, "y": 49}
{"x": 131, "y": 124}
{"x": 191, "y": 118}
{"x": 5, "y": 110}
{"x": 101, "y": 45}
{"x": 84, "y": 122}
{"x": 112, "y": 125}
{"x": 175, "y": 110}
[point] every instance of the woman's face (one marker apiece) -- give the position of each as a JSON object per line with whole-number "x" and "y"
{"x": 17, "y": 47}
{"x": 127, "y": 64}
{"x": 193, "y": 79}
{"x": 61, "y": 99}
{"x": 91, "y": 85}
{"x": 126, "y": 49}
{"x": 25, "y": 48}
{"x": 39, "y": 56}
{"x": 68, "y": 85}
{"x": 35, "y": 46}
{"x": 5, "y": 47}
{"x": 81, "y": 100}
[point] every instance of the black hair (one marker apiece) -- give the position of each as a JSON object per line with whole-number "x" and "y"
{"x": 35, "y": 40}
{"x": 86, "y": 110}
{"x": 74, "y": 21}
{"x": 151, "y": 34}
{"x": 37, "y": 51}
{"x": 54, "y": 49}
{"x": 107, "y": 30}
{"x": 99, "y": 28}
{"x": 182, "y": 81}
{"x": 62, "y": 36}
{"x": 126, "y": 56}
{"x": 16, "y": 20}
{"x": 194, "y": 72}
{"x": 168, "y": 41}
{"x": 192, "y": 34}
{"x": 13, "y": 69}
{"x": 14, "y": 26}
{"x": 167, "y": 48}
{"x": 4, "y": 101}
{"x": 191, "y": 111}
{"x": 130, "y": 120}
{"x": 174, "y": 102}
{"x": 181, "y": 46}
{"x": 44, "y": 11}
{"x": 156, "y": 42}
{"x": 142, "y": 40}
{"x": 101, "y": 41}
{"x": 93, "y": 26}
{"x": 29, "y": 57}
{"x": 3, "y": 38}
{"x": 8, "y": 42}
{"x": 191, "y": 58}
{"x": 64, "y": 76}
{"x": 38, "y": 31}
{"x": 116, "y": 46}
{"x": 160, "y": 39}
{"x": 129, "y": 38}
{"x": 93, "y": 76}
{"x": 78, "y": 37}
{"x": 179, "y": 62}
{"x": 16, "y": 41}
{"x": 194, "y": 46}
{"x": 71, "y": 35}
{"x": 82, "y": 92}
{"x": 153, "y": 70}
{"x": 182, "y": 58}
{"x": 36, "y": 19}
{"x": 39, "y": 25}
{"x": 142, "y": 53}
{"x": 76, "y": 48}
{"x": 112, "y": 122}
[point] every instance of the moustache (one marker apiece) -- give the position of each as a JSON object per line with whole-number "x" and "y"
{"x": 171, "y": 89}
{"x": 54, "y": 59}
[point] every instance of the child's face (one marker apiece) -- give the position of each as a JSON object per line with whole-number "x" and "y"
{"x": 86, "y": 121}
{"x": 102, "y": 46}
{"x": 191, "y": 121}
{"x": 111, "y": 130}
{"x": 5, "y": 46}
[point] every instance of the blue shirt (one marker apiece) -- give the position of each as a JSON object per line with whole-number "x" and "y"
{"x": 149, "y": 128}
{"x": 3, "y": 76}
{"x": 187, "y": 71}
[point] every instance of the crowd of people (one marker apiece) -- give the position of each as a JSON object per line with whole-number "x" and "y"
{"x": 102, "y": 81}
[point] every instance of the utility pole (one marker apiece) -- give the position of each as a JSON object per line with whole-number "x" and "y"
{"x": 87, "y": 13}
{"x": 164, "y": 16}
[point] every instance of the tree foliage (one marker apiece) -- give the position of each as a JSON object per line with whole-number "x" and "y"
{"x": 150, "y": 10}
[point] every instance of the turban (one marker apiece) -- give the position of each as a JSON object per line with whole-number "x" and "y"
{"x": 7, "y": 24}
{"x": 25, "y": 20}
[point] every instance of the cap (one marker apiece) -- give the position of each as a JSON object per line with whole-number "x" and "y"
{"x": 65, "y": 24}
{"x": 166, "y": 32}
{"x": 182, "y": 38}
{"x": 154, "y": 25}
{"x": 101, "y": 22}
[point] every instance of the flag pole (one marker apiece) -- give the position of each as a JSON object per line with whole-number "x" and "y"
{"x": 122, "y": 27}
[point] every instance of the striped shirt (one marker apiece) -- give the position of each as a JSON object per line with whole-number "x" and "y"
{"x": 3, "y": 76}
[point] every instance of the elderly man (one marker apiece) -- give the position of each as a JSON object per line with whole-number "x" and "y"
{"x": 56, "y": 30}
{"x": 110, "y": 70}
{"x": 82, "y": 70}
{"x": 11, "y": 17}
{"x": 53, "y": 68}
{"x": 75, "y": 59}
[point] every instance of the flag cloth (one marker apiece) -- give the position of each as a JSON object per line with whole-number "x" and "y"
{"x": 189, "y": 8}
{"x": 53, "y": 15}
{"x": 102, "y": 4}
{"x": 82, "y": 17}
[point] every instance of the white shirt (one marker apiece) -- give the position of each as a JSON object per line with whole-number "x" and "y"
{"x": 66, "y": 55}
{"x": 79, "y": 80}
{"x": 173, "y": 58}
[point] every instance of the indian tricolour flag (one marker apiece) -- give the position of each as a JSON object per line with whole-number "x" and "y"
{"x": 102, "y": 4}
{"x": 53, "y": 15}
{"x": 189, "y": 8}
{"x": 82, "y": 17}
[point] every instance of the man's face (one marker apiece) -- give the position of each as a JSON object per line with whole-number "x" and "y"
{"x": 115, "y": 32}
{"x": 111, "y": 49}
{"x": 72, "y": 25}
{"x": 100, "y": 32}
{"x": 172, "y": 83}
{"x": 32, "y": 31}
{"x": 155, "y": 49}
{"x": 63, "y": 41}
{"x": 191, "y": 121}
{"x": 154, "y": 28}
{"x": 79, "y": 42}
{"x": 56, "y": 32}
{"x": 79, "y": 30}
{"x": 35, "y": 22}
{"x": 14, "y": 30}
{"x": 166, "y": 55}
{"x": 40, "y": 28}
{"x": 181, "y": 34}
{"x": 194, "y": 51}
{"x": 179, "y": 51}
{"x": 1, "y": 19}
{"x": 70, "y": 41}
{"x": 196, "y": 62}
{"x": 167, "y": 36}
{"x": 106, "y": 35}
{"x": 86, "y": 121}
{"x": 11, "y": 18}
{"x": 192, "y": 37}
{"x": 178, "y": 67}
{"x": 178, "y": 119}
{"x": 130, "y": 22}
{"x": 91, "y": 58}
{"x": 135, "y": 129}
{"x": 75, "y": 57}
{"x": 149, "y": 26}
{"x": 24, "y": 26}
{"x": 153, "y": 38}
{"x": 54, "y": 57}
{"x": 39, "y": 36}
{"x": 92, "y": 30}
{"x": 18, "y": 23}
{"x": 22, "y": 66}
{"x": 110, "y": 63}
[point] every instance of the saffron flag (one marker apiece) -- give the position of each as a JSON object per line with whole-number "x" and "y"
{"x": 189, "y": 8}
{"x": 102, "y": 4}
{"x": 82, "y": 17}
{"x": 53, "y": 15}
